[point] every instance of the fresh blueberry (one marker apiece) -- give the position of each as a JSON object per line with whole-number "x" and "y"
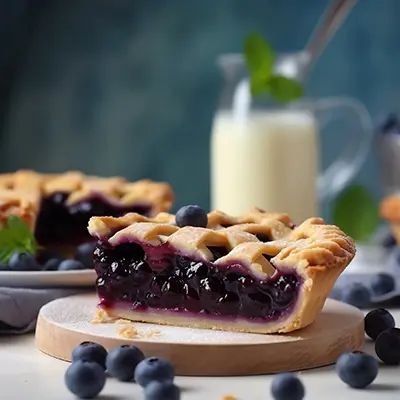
{"x": 89, "y": 351}
{"x": 22, "y": 261}
{"x": 377, "y": 321}
{"x": 154, "y": 369}
{"x": 84, "y": 254}
{"x": 70, "y": 265}
{"x": 387, "y": 346}
{"x": 4, "y": 267}
{"x": 287, "y": 386}
{"x": 191, "y": 216}
{"x": 85, "y": 379}
{"x": 357, "y": 369}
{"x": 52, "y": 264}
{"x": 122, "y": 361}
{"x": 356, "y": 294}
{"x": 162, "y": 391}
{"x": 382, "y": 284}
{"x": 336, "y": 293}
{"x": 389, "y": 241}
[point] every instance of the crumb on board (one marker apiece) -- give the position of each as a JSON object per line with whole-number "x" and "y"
{"x": 229, "y": 397}
{"x": 130, "y": 332}
{"x": 101, "y": 317}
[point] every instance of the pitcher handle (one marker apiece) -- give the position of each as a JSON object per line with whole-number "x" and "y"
{"x": 346, "y": 166}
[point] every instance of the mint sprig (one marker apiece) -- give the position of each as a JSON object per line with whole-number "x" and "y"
{"x": 260, "y": 58}
{"x": 356, "y": 212}
{"x": 15, "y": 236}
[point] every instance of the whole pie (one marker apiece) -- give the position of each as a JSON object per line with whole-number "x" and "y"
{"x": 390, "y": 211}
{"x": 256, "y": 273}
{"x": 57, "y": 207}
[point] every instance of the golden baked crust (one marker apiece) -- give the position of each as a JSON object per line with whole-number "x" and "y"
{"x": 21, "y": 192}
{"x": 390, "y": 211}
{"x": 316, "y": 252}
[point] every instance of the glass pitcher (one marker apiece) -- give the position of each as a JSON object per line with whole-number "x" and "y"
{"x": 267, "y": 155}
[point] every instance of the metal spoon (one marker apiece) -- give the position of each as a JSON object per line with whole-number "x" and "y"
{"x": 298, "y": 65}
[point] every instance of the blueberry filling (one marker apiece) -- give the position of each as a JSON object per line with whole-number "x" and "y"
{"x": 143, "y": 276}
{"x": 59, "y": 223}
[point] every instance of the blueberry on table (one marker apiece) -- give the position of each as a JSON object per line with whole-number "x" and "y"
{"x": 84, "y": 254}
{"x": 52, "y": 264}
{"x": 4, "y": 267}
{"x": 356, "y": 294}
{"x": 85, "y": 379}
{"x": 90, "y": 351}
{"x": 287, "y": 386}
{"x": 121, "y": 362}
{"x": 387, "y": 346}
{"x": 22, "y": 261}
{"x": 191, "y": 216}
{"x": 377, "y": 321}
{"x": 382, "y": 284}
{"x": 357, "y": 369}
{"x": 154, "y": 369}
{"x": 162, "y": 391}
{"x": 71, "y": 265}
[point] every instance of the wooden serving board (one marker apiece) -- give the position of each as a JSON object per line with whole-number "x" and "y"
{"x": 65, "y": 323}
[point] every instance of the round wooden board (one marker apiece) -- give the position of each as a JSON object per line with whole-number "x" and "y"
{"x": 65, "y": 323}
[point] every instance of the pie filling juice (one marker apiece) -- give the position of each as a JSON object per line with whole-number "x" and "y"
{"x": 141, "y": 277}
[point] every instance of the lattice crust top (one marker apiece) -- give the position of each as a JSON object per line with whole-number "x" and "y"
{"x": 311, "y": 244}
{"x": 22, "y": 191}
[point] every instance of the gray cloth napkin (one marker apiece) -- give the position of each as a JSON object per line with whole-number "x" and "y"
{"x": 19, "y": 307}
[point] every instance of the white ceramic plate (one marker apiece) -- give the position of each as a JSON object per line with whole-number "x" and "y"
{"x": 46, "y": 279}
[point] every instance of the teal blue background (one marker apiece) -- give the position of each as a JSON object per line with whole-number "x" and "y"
{"x": 130, "y": 87}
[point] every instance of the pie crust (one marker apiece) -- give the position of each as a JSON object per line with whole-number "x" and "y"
{"x": 390, "y": 211}
{"x": 22, "y": 192}
{"x": 315, "y": 252}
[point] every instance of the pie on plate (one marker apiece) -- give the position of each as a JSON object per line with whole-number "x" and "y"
{"x": 256, "y": 273}
{"x": 57, "y": 207}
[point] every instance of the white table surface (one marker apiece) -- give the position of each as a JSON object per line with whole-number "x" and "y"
{"x": 26, "y": 373}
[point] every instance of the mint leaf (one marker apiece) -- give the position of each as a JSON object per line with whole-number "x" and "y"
{"x": 356, "y": 212}
{"x": 260, "y": 56}
{"x": 258, "y": 86}
{"x": 285, "y": 89}
{"x": 16, "y": 236}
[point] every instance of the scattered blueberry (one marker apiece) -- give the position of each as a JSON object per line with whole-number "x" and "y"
{"x": 191, "y": 216}
{"x": 154, "y": 369}
{"x": 84, "y": 254}
{"x": 389, "y": 241}
{"x": 357, "y": 369}
{"x": 4, "y": 267}
{"x": 382, "y": 284}
{"x": 287, "y": 386}
{"x": 377, "y": 321}
{"x": 162, "y": 391}
{"x": 22, "y": 261}
{"x": 70, "y": 265}
{"x": 336, "y": 293}
{"x": 85, "y": 379}
{"x": 387, "y": 346}
{"x": 390, "y": 125}
{"x": 52, "y": 264}
{"x": 121, "y": 362}
{"x": 89, "y": 351}
{"x": 356, "y": 294}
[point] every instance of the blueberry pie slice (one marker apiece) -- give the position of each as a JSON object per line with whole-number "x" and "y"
{"x": 256, "y": 273}
{"x": 57, "y": 207}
